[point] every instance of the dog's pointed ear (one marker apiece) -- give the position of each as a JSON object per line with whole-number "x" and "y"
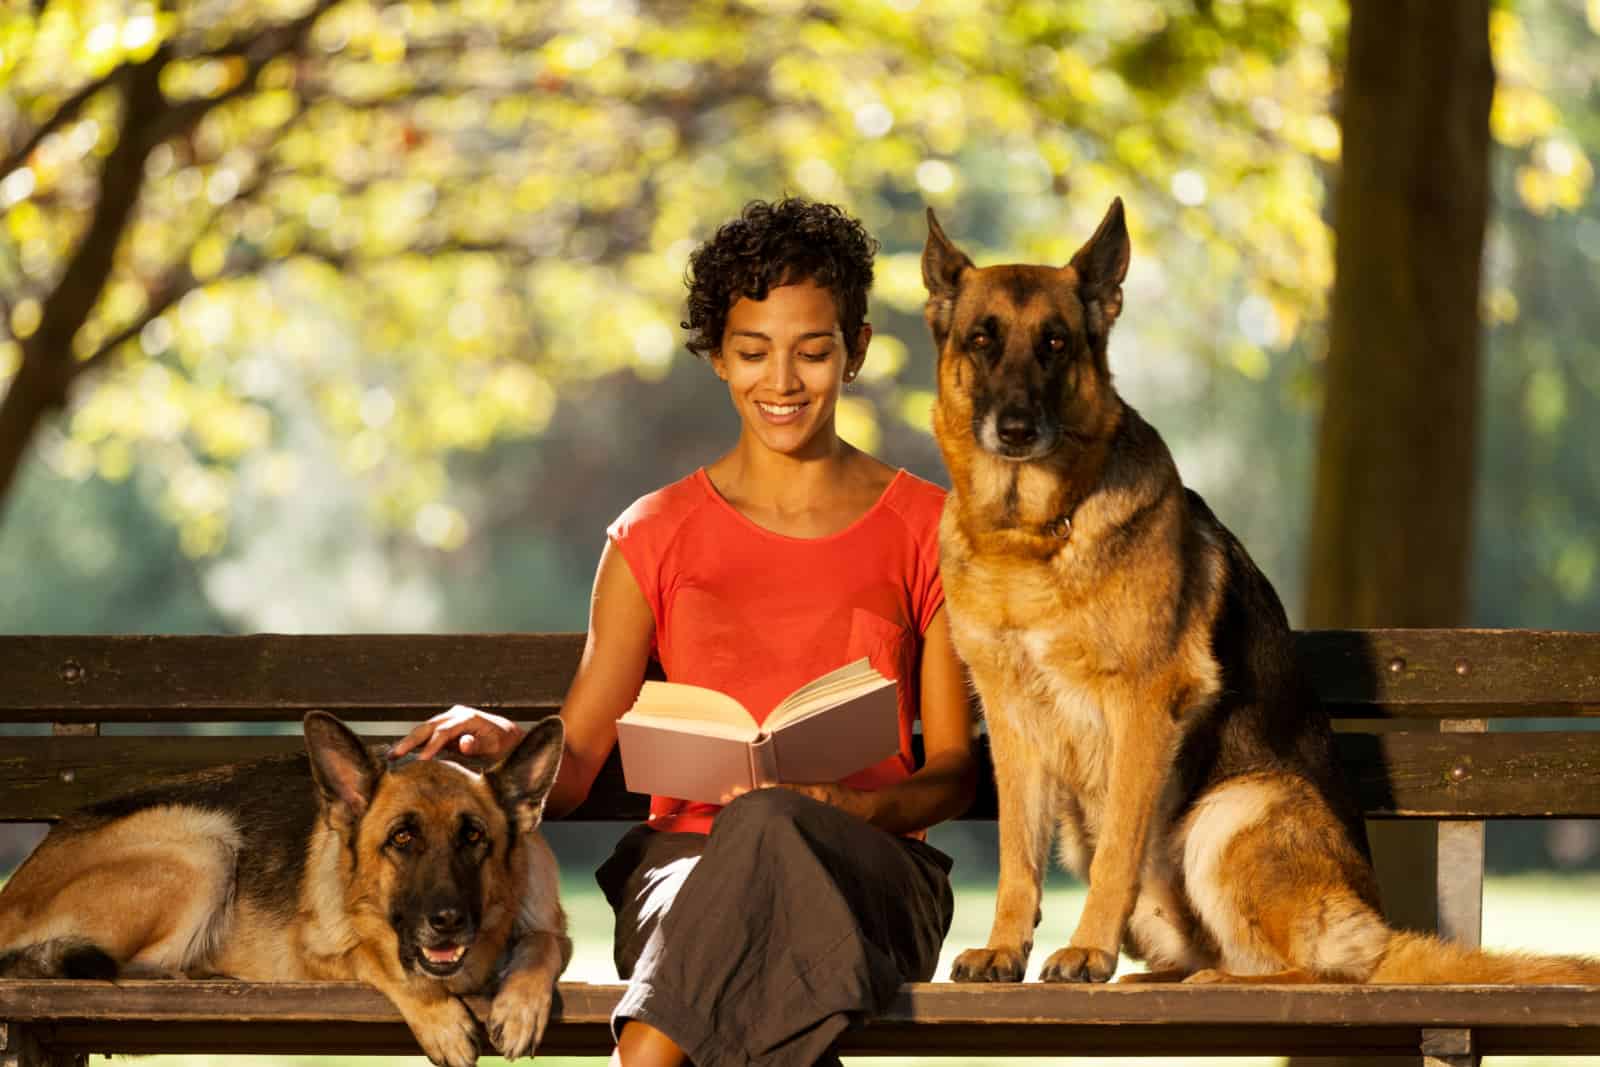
{"x": 344, "y": 771}
{"x": 523, "y": 779}
{"x": 1101, "y": 264}
{"x": 942, "y": 264}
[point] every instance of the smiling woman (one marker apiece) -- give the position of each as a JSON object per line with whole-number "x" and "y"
{"x": 760, "y": 930}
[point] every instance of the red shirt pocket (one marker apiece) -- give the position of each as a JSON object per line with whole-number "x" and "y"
{"x": 884, "y": 642}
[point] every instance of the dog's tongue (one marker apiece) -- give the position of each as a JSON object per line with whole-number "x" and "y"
{"x": 444, "y": 953}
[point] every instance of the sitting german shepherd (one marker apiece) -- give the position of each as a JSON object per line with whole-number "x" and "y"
{"x": 1144, "y": 705}
{"x": 424, "y": 879}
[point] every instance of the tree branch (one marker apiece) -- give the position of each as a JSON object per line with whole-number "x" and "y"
{"x": 64, "y": 114}
{"x": 517, "y": 253}
{"x": 259, "y": 49}
{"x": 264, "y": 43}
{"x": 180, "y": 280}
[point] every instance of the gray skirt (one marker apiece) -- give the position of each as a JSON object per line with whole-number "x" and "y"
{"x": 760, "y": 942}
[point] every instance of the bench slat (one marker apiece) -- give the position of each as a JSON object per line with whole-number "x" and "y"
{"x": 1396, "y": 775}
{"x": 272, "y": 677}
{"x": 925, "y": 1019}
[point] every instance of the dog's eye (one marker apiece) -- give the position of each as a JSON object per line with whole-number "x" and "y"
{"x": 401, "y": 839}
{"x": 1057, "y": 344}
{"x": 472, "y": 835}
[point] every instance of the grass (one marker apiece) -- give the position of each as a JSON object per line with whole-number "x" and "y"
{"x": 1535, "y": 912}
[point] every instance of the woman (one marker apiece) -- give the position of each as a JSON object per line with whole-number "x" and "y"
{"x": 757, "y": 931}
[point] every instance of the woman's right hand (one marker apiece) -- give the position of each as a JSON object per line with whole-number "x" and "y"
{"x": 473, "y": 732}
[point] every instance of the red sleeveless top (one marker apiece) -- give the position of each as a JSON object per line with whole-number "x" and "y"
{"x": 756, "y": 614}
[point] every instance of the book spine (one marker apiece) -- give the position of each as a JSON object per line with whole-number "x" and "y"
{"x": 763, "y": 762}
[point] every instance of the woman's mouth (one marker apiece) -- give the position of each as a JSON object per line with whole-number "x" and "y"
{"x": 779, "y": 414}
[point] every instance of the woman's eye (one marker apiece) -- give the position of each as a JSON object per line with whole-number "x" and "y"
{"x": 751, "y": 357}
{"x": 816, "y": 357}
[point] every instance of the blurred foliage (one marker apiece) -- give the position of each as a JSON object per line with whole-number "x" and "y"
{"x": 433, "y": 216}
{"x": 1538, "y": 561}
{"x": 384, "y": 258}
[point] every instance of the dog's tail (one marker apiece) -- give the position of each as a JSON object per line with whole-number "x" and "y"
{"x": 1422, "y": 959}
{"x": 61, "y": 957}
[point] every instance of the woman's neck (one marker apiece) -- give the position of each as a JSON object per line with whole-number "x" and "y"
{"x": 779, "y": 481}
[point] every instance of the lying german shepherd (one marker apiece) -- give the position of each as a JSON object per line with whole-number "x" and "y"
{"x": 1137, "y": 671}
{"x": 424, "y": 879}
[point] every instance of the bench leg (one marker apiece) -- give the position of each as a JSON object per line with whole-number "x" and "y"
{"x": 20, "y": 1047}
{"x": 1449, "y": 1048}
{"x": 1460, "y": 863}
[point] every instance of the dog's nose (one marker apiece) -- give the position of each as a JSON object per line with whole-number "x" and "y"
{"x": 1016, "y": 428}
{"x": 445, "y": 920}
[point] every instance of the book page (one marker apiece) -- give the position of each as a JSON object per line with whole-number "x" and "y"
{"x": 693, "y": 704}
{"x": 835, "y": 687}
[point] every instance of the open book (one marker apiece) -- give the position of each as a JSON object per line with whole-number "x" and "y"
{"x": 694, "y": 743}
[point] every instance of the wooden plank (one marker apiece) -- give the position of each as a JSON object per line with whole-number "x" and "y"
{"x": 975, "y": 1040}
{"x": 1453, "y": 673}
{"x": 276, "y": 677}
{"x": 1395, "y": 775}
{"x": 273, "y": 677}
{"x": 925, "y": 1019}
{"x": 43, "y": 779}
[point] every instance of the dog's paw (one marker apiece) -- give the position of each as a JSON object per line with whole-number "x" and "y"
{"x": 990, "y": 965}
{"x": 447, "y": 1032}
{"x": 1078, "y": 965}
{"x": 1209, "y": 976}
{"x": 517, "y": 1020}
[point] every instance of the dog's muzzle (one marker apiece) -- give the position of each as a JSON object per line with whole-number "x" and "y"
{"x": 440, "y": 940}
{"x": 1015, "y": 434}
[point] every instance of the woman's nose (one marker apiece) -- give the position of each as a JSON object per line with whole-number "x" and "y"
{"x": 784, "y": 377}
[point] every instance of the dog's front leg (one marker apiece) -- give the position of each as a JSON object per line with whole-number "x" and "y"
{"x": 442, "y": 1025}
{"x": 527, "y": 982}
{"x": 1142, "y": 743}
{"x": 1026, "y": 795}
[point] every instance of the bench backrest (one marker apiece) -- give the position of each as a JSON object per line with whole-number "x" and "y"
{"x": 80, "y": 696}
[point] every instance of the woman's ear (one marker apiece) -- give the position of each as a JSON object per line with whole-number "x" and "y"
{"x": 718, "y": 364}
{"x": 858, "y": 352}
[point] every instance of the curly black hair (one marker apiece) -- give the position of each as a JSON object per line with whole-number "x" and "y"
{"x": 791, "y": 240}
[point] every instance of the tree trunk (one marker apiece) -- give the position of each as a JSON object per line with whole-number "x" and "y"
{"x": 1392, "y": 513}
{"x": 49, "y": 364}
{"x": 29, "y": 398}
{"x": 1393, "y": 504}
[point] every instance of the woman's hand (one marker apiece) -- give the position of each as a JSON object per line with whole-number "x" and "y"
{"x": 474, "y": 733}
{"x": 858, "y": 802}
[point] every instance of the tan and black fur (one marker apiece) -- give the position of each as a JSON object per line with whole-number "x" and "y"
{"x": 1145, "y": 710}
{"x": 424, "y": 879}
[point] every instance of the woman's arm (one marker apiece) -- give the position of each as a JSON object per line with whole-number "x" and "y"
{"x": 943, "y": 787}
{"x": 609, "y": 675}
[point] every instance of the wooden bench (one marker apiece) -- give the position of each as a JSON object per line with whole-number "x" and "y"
{"x": 71, "y": 706}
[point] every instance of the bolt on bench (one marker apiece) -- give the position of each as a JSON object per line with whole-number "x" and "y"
{"x": 65, "y": 700}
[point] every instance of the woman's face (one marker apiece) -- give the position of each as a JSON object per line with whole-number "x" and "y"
{"x": 784, "y": 360}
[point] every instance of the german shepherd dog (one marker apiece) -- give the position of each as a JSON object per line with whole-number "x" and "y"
{"x": 1144, "y": 706}
{"x": 425, "y": 879}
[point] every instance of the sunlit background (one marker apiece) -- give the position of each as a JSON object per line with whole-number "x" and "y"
{"x": 392, "y": 329}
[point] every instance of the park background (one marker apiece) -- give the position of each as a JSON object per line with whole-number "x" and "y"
{"x": 361, "y": 316}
